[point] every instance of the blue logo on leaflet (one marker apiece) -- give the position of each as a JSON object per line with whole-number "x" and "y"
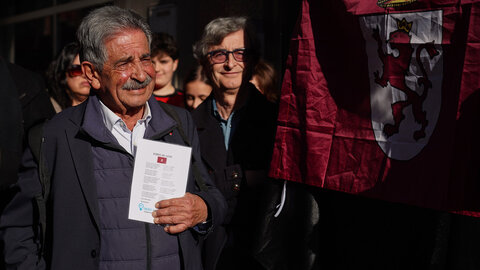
{"x": 141, "y": 206}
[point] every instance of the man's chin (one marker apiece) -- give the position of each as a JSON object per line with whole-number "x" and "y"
{"x": 136, "y": 103}
{"x": 232, "y": 87}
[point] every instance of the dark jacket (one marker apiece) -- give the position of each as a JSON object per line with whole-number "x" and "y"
{"x": 241, "y": 175}
{"x": 73, "y": 235}
{"x": 23, "y": 103}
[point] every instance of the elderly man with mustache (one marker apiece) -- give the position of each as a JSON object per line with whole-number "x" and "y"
{"x": 89, "y": 152}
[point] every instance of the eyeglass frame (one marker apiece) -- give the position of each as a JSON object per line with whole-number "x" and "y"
{"x": 74, "y": 68}
{"x": 226, "y": 53}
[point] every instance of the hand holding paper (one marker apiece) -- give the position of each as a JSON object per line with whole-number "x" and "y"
{"x": 160, "y": 173}
{"x": 180, "y": 213}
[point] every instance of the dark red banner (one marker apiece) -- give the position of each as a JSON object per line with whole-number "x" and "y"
{"x": 380, "y": 98}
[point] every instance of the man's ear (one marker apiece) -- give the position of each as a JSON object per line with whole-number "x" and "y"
{"x": 91, "y": 74}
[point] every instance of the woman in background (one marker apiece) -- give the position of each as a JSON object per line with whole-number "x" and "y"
{"x": 67, "y": 84}
{"x": 265, "y": 80}
{"x": 197, "y": 88}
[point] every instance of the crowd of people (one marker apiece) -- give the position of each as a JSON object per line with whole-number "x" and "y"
{"x": 66, "y": 189}
{"x": 68, "y": 154}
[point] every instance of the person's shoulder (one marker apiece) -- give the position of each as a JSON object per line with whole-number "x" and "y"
{"x": 17, "y": 70}
{"x": 67, "y": 116}
{"x": 27, "y": 82}
{"x": 177, "y": 109}
{"x": 260, "y": 109}
{"x": 173, "y": 109}
{"x": 259, "y": 99}
{"x": 23, "y": 76}
{"x": 203, "y": 109}
{"x": 177, "y": 99}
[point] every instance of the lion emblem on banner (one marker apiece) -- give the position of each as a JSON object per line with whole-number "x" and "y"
{"x": 405, "y": 80}
{"x": 394, "y": 68}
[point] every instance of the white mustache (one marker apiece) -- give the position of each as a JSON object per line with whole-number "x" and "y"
{"x": 134, "y": 84}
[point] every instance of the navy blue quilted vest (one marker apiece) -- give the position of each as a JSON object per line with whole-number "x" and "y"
{"x": 127, "y": 244}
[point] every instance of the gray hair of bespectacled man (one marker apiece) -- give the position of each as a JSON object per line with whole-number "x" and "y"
{"x": 216, "y": 30}
{"x": 103, "y": 23}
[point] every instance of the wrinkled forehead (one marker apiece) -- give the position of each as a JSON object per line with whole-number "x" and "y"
{"x": 232, "y": 40}
{"x": 127, "y": 42}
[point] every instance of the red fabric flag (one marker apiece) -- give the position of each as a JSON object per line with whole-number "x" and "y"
{"x": 380, "y": 97}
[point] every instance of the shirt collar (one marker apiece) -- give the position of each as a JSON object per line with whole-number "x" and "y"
{"x": 217, "y": 114}
{"x": 215, "y": 109}
{"x": 110, "y": 118}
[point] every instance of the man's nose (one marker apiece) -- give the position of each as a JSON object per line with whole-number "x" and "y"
{"x": 231, "y": 62}
{"x": 138, "y": 72}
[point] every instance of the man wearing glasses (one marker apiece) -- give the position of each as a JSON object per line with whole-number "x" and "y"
{"x": 236, "y": 126}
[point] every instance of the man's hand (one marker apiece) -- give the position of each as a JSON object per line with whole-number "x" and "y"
{"x": 179, "y": 214}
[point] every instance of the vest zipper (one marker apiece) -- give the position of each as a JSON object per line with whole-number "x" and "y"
{"x": 149, "y": 248}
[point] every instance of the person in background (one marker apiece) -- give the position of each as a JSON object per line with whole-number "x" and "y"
{"x": 67, "y": 83}
{"x": 236, "y": 125}
{"x": 197, "y": 88}
{"x": 24, "y": 103}
{"x": 265, "y": 79}
{"x": 165, "y": 61}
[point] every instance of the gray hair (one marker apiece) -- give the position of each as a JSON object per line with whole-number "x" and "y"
{"x": 102, "y": 23}
{"x": 214, "y": 33}
{"x": 216, "y": 30}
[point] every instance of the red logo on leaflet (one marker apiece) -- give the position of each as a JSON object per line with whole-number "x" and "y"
{"x": 162, "y": 160}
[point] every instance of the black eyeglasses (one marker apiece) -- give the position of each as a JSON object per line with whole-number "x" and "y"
{"x": 74, "y": 71}
{"x": 221, "y": 56}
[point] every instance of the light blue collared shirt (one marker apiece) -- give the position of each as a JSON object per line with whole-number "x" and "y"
{"x": 226, "y": 125}
{"x": 126, "y": 138}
